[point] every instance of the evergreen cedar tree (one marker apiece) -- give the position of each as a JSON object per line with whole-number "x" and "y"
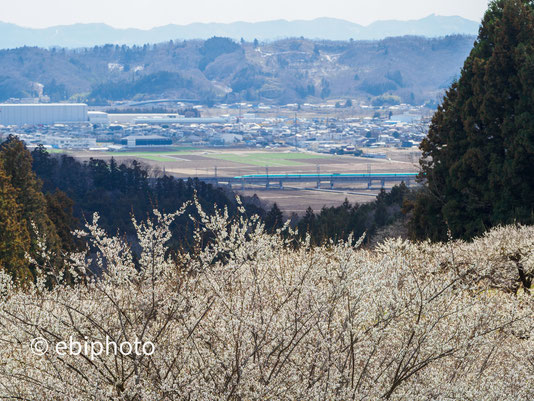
{"x": 478, "y": 157}
{"x": 14, "y": 237}
{"x": 274, "y": 219}
{"x": 24, "y": 218}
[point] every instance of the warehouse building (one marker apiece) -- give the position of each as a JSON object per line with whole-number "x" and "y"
{"x": 42, "y": 114}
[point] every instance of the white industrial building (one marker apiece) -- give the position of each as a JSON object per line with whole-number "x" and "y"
{"x": 98, "y": 117}
{"x": 42, "y": 114}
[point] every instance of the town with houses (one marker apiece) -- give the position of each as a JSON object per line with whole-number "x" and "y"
{"x": 325, "y": 128}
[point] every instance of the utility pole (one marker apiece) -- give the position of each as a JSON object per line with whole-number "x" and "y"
{"x": 295, "y": 124}
{"x": 240, "y": 127}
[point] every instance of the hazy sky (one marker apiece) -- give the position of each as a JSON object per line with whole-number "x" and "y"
{"x": 150, "y": 13}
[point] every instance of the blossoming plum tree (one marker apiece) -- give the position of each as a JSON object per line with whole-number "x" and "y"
{"x": 254, "y": 316}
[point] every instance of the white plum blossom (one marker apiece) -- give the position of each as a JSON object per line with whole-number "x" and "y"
{"x": 249, "y": 315}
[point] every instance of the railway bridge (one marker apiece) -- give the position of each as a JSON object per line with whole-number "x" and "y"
{"x": 277, "y": 181}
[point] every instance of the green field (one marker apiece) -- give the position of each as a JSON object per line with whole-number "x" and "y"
{"x": 171, "y": 152}
{"x": 158, "y": 155}
{"x": 267, "y": 159}
{"x": 161, "y": 158}
{"x": 260, "y": 159}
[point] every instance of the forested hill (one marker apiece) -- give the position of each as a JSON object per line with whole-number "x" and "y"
{"x": 415, "y": 69}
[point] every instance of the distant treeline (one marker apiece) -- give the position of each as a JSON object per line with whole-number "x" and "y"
{"x": 338, "y": 223}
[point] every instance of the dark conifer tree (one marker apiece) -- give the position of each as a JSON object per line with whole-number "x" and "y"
{"x": 60, "y": 211}
{"x": 478, "y": 156}
{"x": 274, "y": 219}
{"x": 307, "y": 223}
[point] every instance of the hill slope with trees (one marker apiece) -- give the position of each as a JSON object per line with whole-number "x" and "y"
{"x": 416, "y": 69}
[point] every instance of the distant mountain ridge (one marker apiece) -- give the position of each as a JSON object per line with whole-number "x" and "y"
{"x": 88, "y": 35}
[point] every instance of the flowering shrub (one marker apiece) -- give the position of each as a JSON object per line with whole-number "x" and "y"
{"x": 253, "y": 316}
